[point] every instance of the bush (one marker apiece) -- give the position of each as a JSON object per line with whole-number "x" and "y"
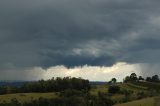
{"x": 114, "y": 89}
{"x": 126, "y": 92}
{"x": 141, "y": 95}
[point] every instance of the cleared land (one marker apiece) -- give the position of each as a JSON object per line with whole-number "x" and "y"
{"x": 155, "y": 101}
{"x": 143, "y": 102}
{"x": 99, "y": 88}
{"x": 25, "y": 97}
{"x": 138, "y": 87}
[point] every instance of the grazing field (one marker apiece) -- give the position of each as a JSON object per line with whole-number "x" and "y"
{"x": 99, "y": 88}
{"x": 157, "y": 101}
{"x": 25, "y": 97}
{"x": 128, "y": 86}
{"x": 143, "y": 102}
{"x": 95, "y": 89}
{"x": 137, "y": 87}
{"x": 133, "y": 87}
{"x": 150, "y": 85}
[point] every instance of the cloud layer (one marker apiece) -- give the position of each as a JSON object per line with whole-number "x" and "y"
{"x": 93, "y": 73}
{"x": 78, "y": 32}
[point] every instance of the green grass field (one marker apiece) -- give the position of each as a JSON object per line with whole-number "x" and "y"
{"x": 157, "y": 101}
{"x": 133, "y": 87}
{"x": 104, "y": 88}
{"x": 128, "y": 86}
{"x": 154, "y": 101}
{"x": 99, "y": 88}
{"x": 26, "y": 97}
{"x": 143, "y": 102}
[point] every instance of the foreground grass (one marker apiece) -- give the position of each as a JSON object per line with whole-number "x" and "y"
{"x": 143, "y": 102}
{"x": 157, "y": 101}
{"x": 25, "y": 97}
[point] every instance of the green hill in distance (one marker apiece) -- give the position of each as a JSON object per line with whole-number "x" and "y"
{"x": 69, "y": 91}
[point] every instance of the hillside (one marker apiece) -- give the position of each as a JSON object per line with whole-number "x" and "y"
{"x": 154, "y": 101}
{"x": 143, "y": 102}
{"x": 70, "y": 91}
{"x": 26, "y": 97}
{"x": 95, "y": 90}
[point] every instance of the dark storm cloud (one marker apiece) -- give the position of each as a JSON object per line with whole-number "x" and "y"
{"x": 72, "y": 32}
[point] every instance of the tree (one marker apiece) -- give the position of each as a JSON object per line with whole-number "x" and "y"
{"x": 113, "y": 89}
{"x": 114, "y": 80}
{"x": 133, "y": 77}
{"x": 149, "y": 79}
{"x": 140, "y": 78}
{"x": 127, "y": 79}
{"x": 155, "y": 78}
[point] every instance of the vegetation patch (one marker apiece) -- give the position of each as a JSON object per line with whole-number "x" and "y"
{"x": 143, "y": 102}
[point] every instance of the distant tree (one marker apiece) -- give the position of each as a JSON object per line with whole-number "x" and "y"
{"x": 114, "y": 80}
{"x": 149, "y": 79}
{"x": 113, "y": 89}
{"x": 155, "y": 78}
{"x": 140, "y": 78}
{"x": 127, "y": 79}
{"x": 133, "y": 77}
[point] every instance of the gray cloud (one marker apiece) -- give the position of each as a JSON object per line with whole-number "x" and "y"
{"x": 72, "y": 33}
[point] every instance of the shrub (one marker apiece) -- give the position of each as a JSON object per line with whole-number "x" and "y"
{"x": 141, "y": 95}
{"x": 114, "y": 89}
{"x": 126, "y": 92}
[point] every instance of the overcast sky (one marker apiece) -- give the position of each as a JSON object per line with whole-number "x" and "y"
{"x": 40, "y": 37}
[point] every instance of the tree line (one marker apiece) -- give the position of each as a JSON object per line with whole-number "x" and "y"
{"x": 134, "y": 78}
{"x": 51, "y": 85}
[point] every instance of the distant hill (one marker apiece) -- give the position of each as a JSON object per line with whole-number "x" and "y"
{"x": 97, "y": 82}
{"x": 12, "y": 83}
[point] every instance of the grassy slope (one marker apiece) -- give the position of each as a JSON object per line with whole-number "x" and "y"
{"x": 157, "y": 101}
{"x": 136, "y": 88}
{"x": 149, "y": 85}
{"x": 104, "y": 88}
{"x": 99, "y": 88}
{"x": 143, "y": 102}
{"x": 25, "y": 97}
{"x": 142, "y": 86}
{"x": 133, "y": 87}
{"x": 117, "y": 97}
